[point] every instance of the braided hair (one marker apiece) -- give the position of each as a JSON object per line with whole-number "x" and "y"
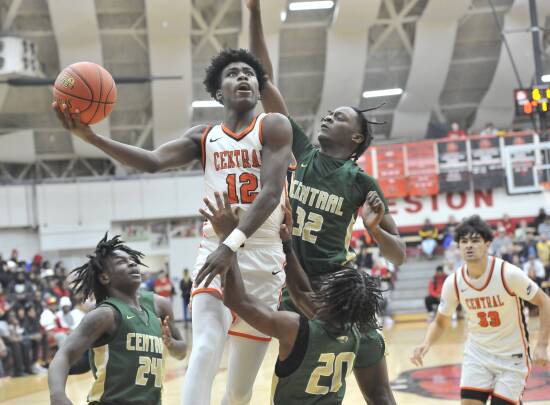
{"x": 85, "y": 279}
{"x": 365, "y": 129}
{"x": 349, "y": 297}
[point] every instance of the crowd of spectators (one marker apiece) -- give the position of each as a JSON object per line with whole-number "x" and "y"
{"x": 37, "y": 312}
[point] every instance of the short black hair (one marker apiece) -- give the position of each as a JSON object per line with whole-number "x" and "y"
{"x": 212, "y": 81}
{"x": 85, "y": 279}
{"x": 474, "y": 225}
{"x": 349, "y": 297}
{"x": 365, "y": 129}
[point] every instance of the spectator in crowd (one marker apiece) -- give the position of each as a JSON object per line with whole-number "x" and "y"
{"x": 453, "y": 259}
{"x": 489, "y": 130}
{"x": 69, "y": 318}
{"x": 539, "y": 219}
{"x": 4, "y": 304}
{"x": 535, "y": 269}
{"x": 507, "y": 224}
{"x": 186, "y": 285}
{"x": 20, "y": 289}
{"x": 528, "y": 248}
{"x": 543, "y": 251}
{"x": 544, "y": 228}
{"x": 20, "y": 356}
{"x": 520, "y": 234}
{"x": 3, "y": 356}
{"x": 434, "y": 291}
{"x": 36, "y": 337}
{"x": 59, "y": 288}
{"x": 429, "y": 235}
{"x": 501, "y": 242}
{"x": 456, "y": 131}
{"x": 51, "y": 323}
{"x": 163, "y": 285}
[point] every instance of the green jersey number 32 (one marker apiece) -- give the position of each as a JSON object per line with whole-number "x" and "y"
{"x": 307, "y": 229}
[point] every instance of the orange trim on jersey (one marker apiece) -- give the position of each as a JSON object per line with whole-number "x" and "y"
{"x": 203, "y": 145}
{"x": 489, "y": 391}
{"x": 456, "y": 288}
{"x": 247, "y": 336}
{"x": 486, "y": 281}
{"x": 212, "y": 291}
{"x": 502, "y": 268}
{"x": 293, "y": 163}
{"x": 523, "y": 339}
{"x": 504, "y": 398}
{"x": 243, "y": 133}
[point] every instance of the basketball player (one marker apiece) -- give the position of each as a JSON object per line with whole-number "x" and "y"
{"x": 316, "y": 355}
{"x": 124, "y": 333}
{"x": 496, "y": 355}
{"x": 326, "y": 192}
{"x": 247, "y": 156}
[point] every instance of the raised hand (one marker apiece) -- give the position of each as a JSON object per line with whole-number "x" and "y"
{"x": 222, "y": 217}
{"x": 252, "y": 4}
{"x": 373, "y": 210}
{"x": 72, "y": 123}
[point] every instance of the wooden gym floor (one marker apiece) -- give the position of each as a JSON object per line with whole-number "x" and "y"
{"x": 401, "y": 339}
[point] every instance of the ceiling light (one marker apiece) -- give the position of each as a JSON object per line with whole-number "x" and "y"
{"x": 382, "y": 93}
{"x": 310, "y": 5}
{"x": 546, "y": 78}
{"x": 206, "y": 104}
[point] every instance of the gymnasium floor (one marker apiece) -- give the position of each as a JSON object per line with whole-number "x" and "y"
{"x": 401, "y": 339}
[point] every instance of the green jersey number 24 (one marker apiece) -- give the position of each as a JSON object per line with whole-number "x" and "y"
{"x": 307, "y": 228}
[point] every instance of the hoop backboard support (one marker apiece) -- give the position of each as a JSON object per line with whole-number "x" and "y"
{"x": 527, "y": 167}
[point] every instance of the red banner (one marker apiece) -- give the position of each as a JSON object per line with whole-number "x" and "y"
{"x": 391, "y": 170}
{"x": 422, "y": 169}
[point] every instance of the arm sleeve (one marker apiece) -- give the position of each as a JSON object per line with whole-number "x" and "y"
{"x": 449, "y": 300}
{"x": 517, "y": 282}
{"x": 366, "y": 183}
{"x": 300, "y": 142}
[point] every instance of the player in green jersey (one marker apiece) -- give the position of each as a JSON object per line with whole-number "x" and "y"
{"x": 123, "y": 333}
{"x": 315, "y": 355}
{"x": 326, "y": 192}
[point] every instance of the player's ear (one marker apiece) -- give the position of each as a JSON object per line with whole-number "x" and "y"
{"x": 104, "y": 278}
{"x": 219, "y": 96}
{"x": 358, "y": 138}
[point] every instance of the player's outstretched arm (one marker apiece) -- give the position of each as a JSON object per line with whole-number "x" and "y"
{"x": 94, "y": 325}
{"x": 171, "y": 335}
{"x": 276, "y": 157}
{"x": 272, "y": 100}
{"x": 542, "y": 301}
{"x": 170, "y": 155}
{"x": 383, "y": 229}
{"x": 435, "y": 330}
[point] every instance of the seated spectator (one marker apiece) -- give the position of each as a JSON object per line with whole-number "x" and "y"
{"x": 51, "y": 324}
{"x": 520, "y": 234}
{"x": 429, "y": 234}
{"x": 453, "y": 258}
{"x": 3, "y": 356}
{"x": 535, "y": 269}
{"x": 527, "y": 248}
{"x": 543, "y": 251}
{"x": 456, "y": 131}
{"x": 434, "y": 291}
{"x": 508, "y": 225}
{"x": 38, "y": 340}
{"x": 163, "y": 285}
{"x": 20, "y": 358}
{"x": 501, "y": 242}
{"x": 4, "y": 304}
{"x": 69, "y": 318}
{"x": 59, "y": 289}
{"x": 539, "y": 219}
{"x": 489, "y": 130}
{"x": 544, "y": 228}
{"x": 20, "y": 289}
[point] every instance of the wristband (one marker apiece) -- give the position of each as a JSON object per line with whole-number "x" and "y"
{"x": 235, "y": 240}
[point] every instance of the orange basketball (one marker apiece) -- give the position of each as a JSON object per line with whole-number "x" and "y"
{"x": 87, "y": 87}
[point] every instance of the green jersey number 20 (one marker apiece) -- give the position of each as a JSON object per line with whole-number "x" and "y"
{"x": 332, "y": 366}
{"x": 306, "y": 229}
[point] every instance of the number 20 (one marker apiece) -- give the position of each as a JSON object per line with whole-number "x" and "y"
{"x": 332, "y": 367}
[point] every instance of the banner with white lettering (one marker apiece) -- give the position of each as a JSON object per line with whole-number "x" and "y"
{"x": 487, "y": 169}
{"x": 453, "y": 166}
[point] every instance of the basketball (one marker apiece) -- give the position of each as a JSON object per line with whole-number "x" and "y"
{"x": 87, "y": 87}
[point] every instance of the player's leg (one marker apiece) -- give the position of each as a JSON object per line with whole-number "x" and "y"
{"x": 371, "y": 371}
{"x": 477, "y": 379}
{"x": 245, "y": 359}
{"x": 472, "y": 402}
{"x": 510, "y": 382}
{"x": 211, "y": 321}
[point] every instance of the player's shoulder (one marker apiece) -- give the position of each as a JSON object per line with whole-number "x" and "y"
{"x": 276, "y": 128}
{"x": 196, "y": 132}
{"x": 508, "y": 269}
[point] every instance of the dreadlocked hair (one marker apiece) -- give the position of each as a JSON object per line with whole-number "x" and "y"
{"x": 366, "y": 130}
{"x": 349, "y": 297}
{"x": 85, "y": 279}
{"x": 213, "y": 82}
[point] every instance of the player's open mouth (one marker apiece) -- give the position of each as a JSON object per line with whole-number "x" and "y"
{"x": 244, "y": 89}
{"x": 324, "y": 127}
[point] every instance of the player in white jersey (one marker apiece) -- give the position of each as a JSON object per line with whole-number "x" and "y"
{"x": 491, "y": 291}
{"x": 247, "y": 157}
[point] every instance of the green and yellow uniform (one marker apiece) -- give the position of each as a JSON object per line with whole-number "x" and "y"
{"x": 325, "y": 195}
{"x": 128, "y": 367}
{"x": 315, "y": 371}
